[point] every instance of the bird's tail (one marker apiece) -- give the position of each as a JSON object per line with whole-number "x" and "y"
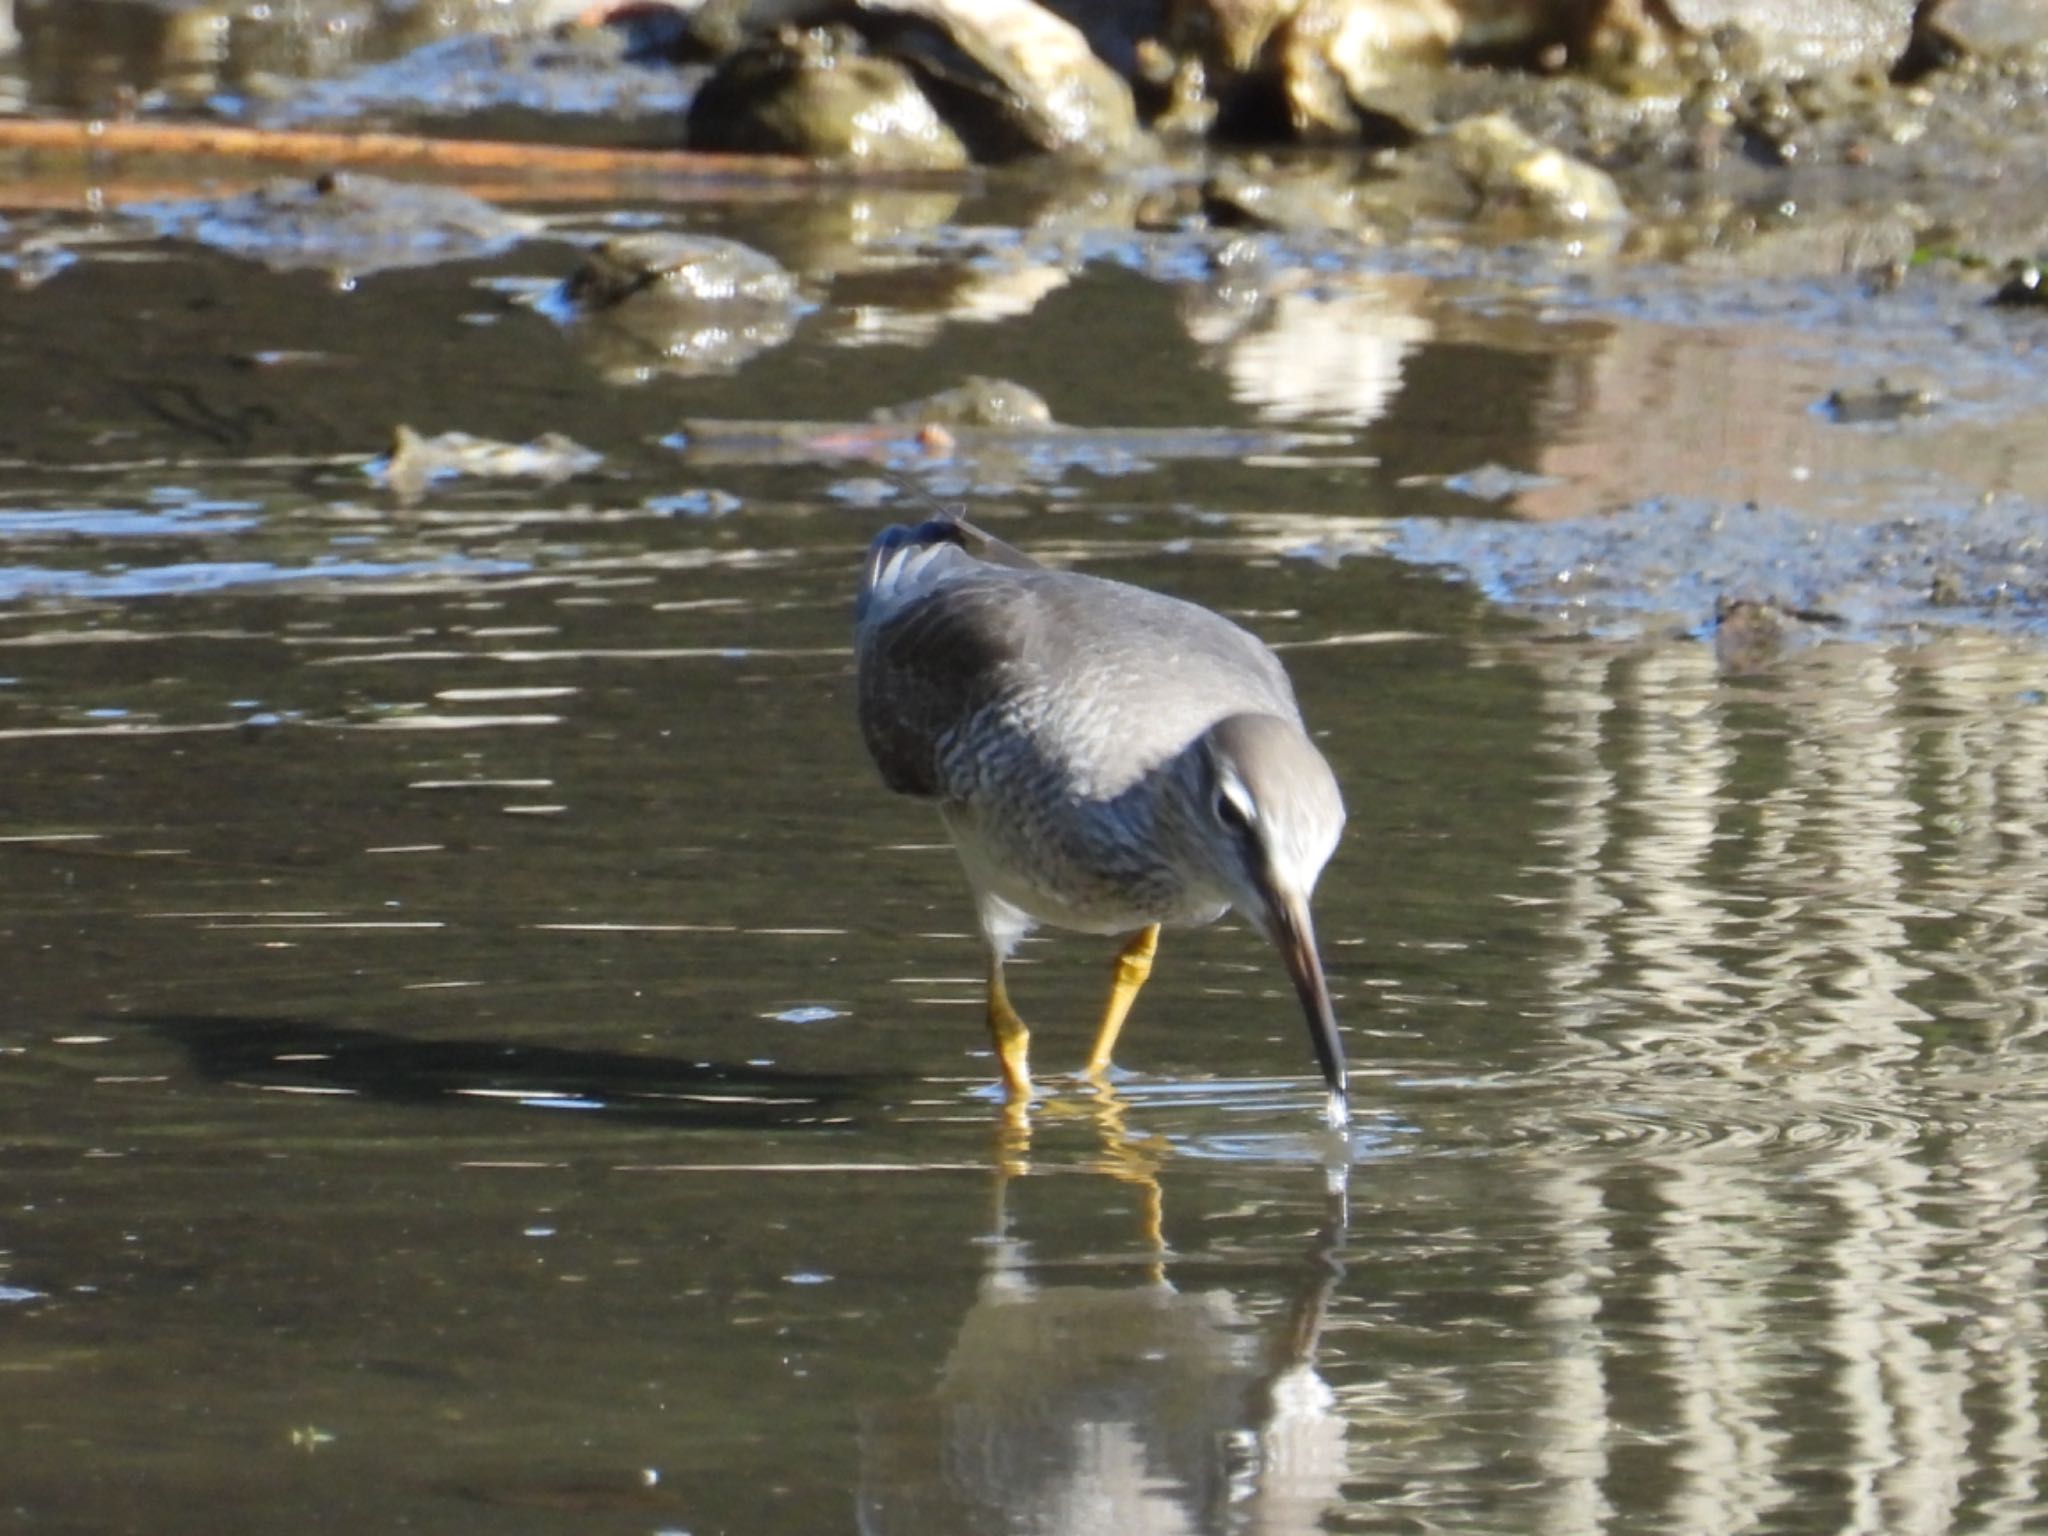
{"x": 904, "y": 559}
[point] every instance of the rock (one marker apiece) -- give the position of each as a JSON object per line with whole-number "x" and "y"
{"x": 1882, "y": 403}
{"x": 1352, "y": 65}
{"x": 684, "y": 268}
{"x": 819, "y": 93}
{"x": 1809, "y": 35}
{"x": 1271, "y": 70}
{"x": 2022, "y": 289}
{"x": 978, "y": 401}
{"x": 1514, "y": 174}
{"x": 1752, "y": 634}
{"x": 1912, "y": 39}
{"x": 676, "y": 304}
{"x": 1035, "y": 71}
{"x": 1984, "y": 28}
{"x": 1298, "y": 194}
{"x": 32, "y": 256}
{"x": 920, "y": 84}
{"x": 1342, "y": 69}
{"x": 344, "y": 222}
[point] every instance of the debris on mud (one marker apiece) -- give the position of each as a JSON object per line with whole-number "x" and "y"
{"x": 31, "y": 256}
{"x": 1486, "y": 482}
{"x": 416, "y": 462}
{"x": 580, "y": 82}
{"x": 1984, "y": 564}
{"x": 987, "y": 434}
{"x": 1882, "y": 403}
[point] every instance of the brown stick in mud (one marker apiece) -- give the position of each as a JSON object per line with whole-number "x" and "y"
{"x": 60, "y": 150}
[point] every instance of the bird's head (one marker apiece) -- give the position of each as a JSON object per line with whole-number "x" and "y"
{"x": 1268, "y": 815}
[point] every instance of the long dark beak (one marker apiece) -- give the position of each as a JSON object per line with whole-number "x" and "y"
{"x": 1294, "y": 934}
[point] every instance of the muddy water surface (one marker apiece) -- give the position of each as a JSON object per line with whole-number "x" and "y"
{"x": 480, "y": 1050}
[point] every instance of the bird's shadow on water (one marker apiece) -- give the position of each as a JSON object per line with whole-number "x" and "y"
{"x": 308, "y": 1055}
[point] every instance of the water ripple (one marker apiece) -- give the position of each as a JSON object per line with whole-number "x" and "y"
{"x": 24, "y": 582}
{"x": 1731, "y": 1126}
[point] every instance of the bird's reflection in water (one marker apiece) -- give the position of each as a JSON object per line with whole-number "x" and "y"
{"x": 1131, "y": 1157}
{"x": 1118, "y": 1410}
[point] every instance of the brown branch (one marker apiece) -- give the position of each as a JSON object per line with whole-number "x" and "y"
{"x": 63, "y": 150}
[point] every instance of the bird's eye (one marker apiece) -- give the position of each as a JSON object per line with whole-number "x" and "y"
{"x": 1230, "y": 813}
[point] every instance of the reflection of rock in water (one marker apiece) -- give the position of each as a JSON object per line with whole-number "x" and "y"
{"x": 684, "y": 305}
{"x": 1750, "y": 635}
{"x": 1301, "y": 347}
{"x": 1096, "y": 1411}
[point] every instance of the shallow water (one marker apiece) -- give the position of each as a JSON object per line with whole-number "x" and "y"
{"x": 480, "y": 1048}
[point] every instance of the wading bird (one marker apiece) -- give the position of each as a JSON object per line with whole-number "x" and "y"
{"x": 1107, "y": 759}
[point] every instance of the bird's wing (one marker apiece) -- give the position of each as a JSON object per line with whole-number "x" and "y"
{"x": 1105, "y": 679}
{"x": 1122, "y": 678}
{"x": 929, "y": 660}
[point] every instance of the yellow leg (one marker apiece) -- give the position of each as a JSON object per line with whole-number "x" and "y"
{"x": 1012, "y": 1039}
{"x": 1133, "y": 965}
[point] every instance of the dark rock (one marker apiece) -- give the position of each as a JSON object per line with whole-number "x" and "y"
{"x": 820, "y": 93}
{"x": 676, "y": 304}
{"x": 920, "y": 84}
{"x": 344, "y": 222}
{"x": 978, "y": 401}
{"x": 2023, "y": 288}
{"x": 1881, "y": 403}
